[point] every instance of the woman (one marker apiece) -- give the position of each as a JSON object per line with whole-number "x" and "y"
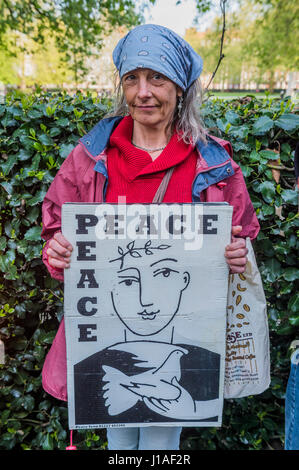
{"x": 154, "y": 137}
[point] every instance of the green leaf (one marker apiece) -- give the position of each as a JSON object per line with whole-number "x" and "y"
{"x": 65, "y": 150}
{"x": 54, "y": 131}
{"x": 269, "y": 154}
{"x": 45, "y": 139}
{"x": 293, "y": 305}
{"x": 262, "y": 125}
{"x": 288, "y": 122}
{"x": 28, "y": 402}
{"x": 33, "y": 234}
{"x": 24, "y": 155}
{"x": 9, "y": 164}
{"x": 38, "y": 147}
{"x": 268, "y": 190}
{"x": 63, "y": 122}
{"x": 33, "y": 214}
{"x": 254, "y": 157}
{"x": 290, "y": 196}
{"x": 272, "y": 270}
{"x": 294, "y": 321}
{"x": 39, "y": 197}
{"x": 35, "y": 113}
{"x": 246, "y": 170}
{"x": 268, "y": 210}
{"x": 47, "y": 443}
{"x": 221, "y": 125}
{"x": 291, "y": 274}
{"x": 2, "y": 243}
{"x": 232, "y": 117}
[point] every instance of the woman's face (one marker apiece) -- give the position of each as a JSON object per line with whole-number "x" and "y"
{"x": 150, "y": 96}
{"x": 148, "y": 291}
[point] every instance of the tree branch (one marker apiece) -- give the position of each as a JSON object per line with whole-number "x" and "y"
{"x": 221, "y": 55}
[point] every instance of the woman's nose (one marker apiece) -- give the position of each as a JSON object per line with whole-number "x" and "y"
{"x": 145, "y": 295}
{"x": 143, "y": 88}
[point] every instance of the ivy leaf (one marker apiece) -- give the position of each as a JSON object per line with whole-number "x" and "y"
{"x": 45, "y": 139}
{"x": 290, "y": 196}
{"x": 288, "y": 122}
{"x": 268, "y": 191}
{"x": 65, "y": 149}
{"x": 24, "y": 155}
{"x": 35, "y": 113}
{"x": 2, "y": 243}
{"x": 28, "y": 402}
{"x": 293, "y": 305}
{"x": 291, "y": 274}
{"x": 9, "y": 164}
{"x": 232, "y": 117}
{"x": 272, "y": 269}
{"x": 39, "y": 197}
{"x": 269, "y": 154}
{"x": 47, "y": 443}
{"x": 294, "y": 321}
{"x": 262, "y": 125}
{"x": 33, "y": 234}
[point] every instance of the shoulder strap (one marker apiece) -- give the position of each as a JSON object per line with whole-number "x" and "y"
{"x": 158, "y": 198}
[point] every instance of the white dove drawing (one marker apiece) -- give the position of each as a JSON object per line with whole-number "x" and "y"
{"x": 154, "y": 383}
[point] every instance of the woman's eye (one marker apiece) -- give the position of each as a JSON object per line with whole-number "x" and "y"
{"x": 158, "y": 76}
{"x": 129, "y": 78}
{"x": 165, "y": 272}
{"x": 128, "y": 282}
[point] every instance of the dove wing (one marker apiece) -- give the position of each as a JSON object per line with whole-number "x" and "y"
{"x": 115, "y": 386}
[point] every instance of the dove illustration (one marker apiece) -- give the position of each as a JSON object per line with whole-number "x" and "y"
{"x": 154, "y": 383}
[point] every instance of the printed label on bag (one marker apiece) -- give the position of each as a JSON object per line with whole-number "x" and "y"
{"x": 240, "y": 361}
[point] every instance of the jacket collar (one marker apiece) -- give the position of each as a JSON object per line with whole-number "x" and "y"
{"x": 97, "y": 139}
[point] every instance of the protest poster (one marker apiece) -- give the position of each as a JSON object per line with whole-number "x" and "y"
{"x": 145, "y": 313}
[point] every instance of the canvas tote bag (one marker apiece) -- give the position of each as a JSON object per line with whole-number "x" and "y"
{"x": 247, "y": 362}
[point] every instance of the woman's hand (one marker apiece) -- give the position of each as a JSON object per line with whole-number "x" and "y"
{"x": 59, "y": 251}
{"x": 236, "y": 252}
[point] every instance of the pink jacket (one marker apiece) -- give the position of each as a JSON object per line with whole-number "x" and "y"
{"x": 83, "y": 178}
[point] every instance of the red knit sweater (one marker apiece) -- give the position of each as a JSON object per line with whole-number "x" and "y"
{"x": 133, "y": 173}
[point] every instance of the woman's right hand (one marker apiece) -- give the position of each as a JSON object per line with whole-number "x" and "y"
{"x": 59, "y": 251}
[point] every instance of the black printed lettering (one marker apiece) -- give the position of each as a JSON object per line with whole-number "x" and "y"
{"x": 207, "y": 224}
{"x": 87, "y": 275}
{"x": 85, "y": 333}
{"x": 84, "y": 221}
{"x": 81, "y": 306}
{"x": 84, "y": 251}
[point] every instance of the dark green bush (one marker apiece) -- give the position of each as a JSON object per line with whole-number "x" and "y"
{"x": 36, "y": 134}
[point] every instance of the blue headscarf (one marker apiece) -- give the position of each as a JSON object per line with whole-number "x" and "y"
{"x": 160, "y": 49}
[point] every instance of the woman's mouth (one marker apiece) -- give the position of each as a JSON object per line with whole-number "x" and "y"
{"x": 148, "y": 315}
{"x": 145, "y": 107}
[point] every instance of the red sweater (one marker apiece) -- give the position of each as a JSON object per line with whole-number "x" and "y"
{"x": 133, "y": 173}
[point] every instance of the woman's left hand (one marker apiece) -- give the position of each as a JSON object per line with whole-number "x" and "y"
{"x": 236, "y": 252}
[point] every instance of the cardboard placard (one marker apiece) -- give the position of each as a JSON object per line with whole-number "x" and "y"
{"x": 145, "y": 313}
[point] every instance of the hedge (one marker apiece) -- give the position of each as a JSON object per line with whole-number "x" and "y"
{"x": 36, "y": 134}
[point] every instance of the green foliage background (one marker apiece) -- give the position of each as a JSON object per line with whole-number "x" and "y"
{"x": 36, "y": 134}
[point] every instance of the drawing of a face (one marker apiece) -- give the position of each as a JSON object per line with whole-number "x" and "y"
{"x": 148, "y": 295}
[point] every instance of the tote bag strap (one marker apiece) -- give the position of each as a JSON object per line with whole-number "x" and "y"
{"x": 158, "y": 198}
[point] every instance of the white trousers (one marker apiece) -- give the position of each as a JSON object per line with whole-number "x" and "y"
{"x": 147, "y": 438}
